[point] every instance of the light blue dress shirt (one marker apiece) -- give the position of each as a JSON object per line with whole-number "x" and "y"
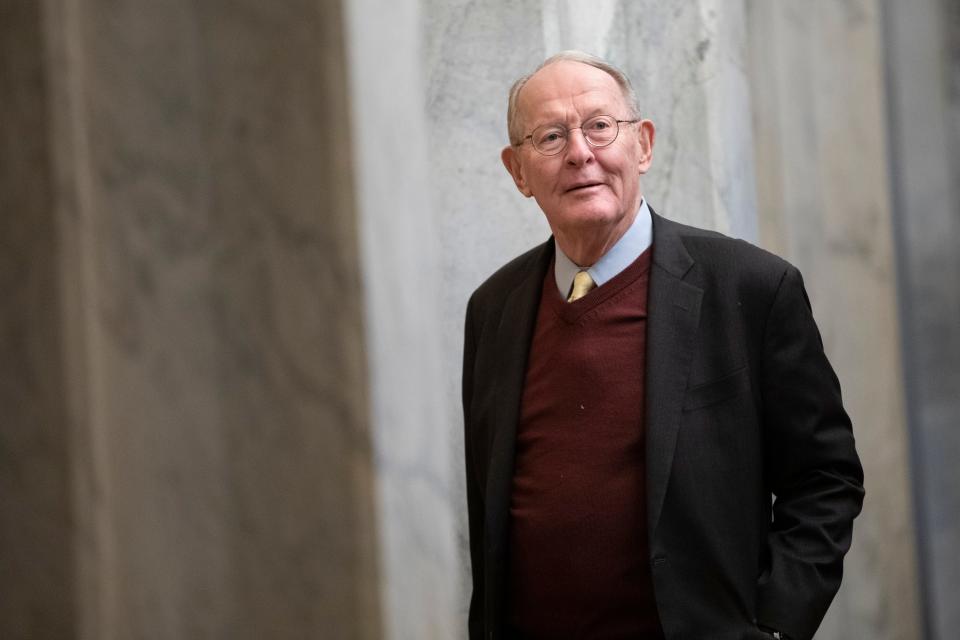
{"x": 620, "y": 256}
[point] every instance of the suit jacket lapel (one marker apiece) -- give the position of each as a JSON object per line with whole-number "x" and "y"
{"x": 514, "y": 336}
{"x": 673, "y": 316}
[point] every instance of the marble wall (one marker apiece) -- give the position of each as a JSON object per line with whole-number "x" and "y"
{"x": 723, "y": 84}
{"x": 402, "y": 276}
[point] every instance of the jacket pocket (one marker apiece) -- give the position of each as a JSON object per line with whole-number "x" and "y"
{"x": 716, "y": 391}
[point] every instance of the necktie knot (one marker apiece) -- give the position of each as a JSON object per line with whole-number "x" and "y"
{"x": 582, "y": 284}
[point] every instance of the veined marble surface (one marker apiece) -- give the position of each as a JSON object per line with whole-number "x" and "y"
{"x": 401, "y": 266}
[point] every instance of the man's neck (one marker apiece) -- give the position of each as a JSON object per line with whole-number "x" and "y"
{"x": 631, "y": 244}
{"x": 586, "y": 246}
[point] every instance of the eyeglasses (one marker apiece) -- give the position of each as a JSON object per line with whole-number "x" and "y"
{"x": 598, "y": 131}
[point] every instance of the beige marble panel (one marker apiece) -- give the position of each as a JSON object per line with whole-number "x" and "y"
{"x": 817, "y": 76}
{"x": 212, "y": 320}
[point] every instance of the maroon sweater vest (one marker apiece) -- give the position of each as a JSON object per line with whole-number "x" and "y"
{"x": 579, "y": 564}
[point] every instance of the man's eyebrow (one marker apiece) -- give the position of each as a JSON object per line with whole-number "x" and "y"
{"x": 557, "y": 118}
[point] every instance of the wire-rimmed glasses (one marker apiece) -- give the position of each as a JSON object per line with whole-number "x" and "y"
{"x": 598, "y": 131}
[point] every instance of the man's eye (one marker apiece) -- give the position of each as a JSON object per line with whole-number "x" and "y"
{"x": 599, "y": 125}
{"x": 550, "y": 136}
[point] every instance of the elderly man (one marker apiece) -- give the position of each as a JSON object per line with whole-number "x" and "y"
{"x": 655, "y": 441}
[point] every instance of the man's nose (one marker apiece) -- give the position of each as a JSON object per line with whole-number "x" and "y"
{"x": 578, "y": 149}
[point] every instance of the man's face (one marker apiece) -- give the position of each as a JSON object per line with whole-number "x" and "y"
{"x": 582, "y": 189}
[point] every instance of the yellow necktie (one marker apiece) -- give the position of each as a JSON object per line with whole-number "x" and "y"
{"x": 582, "y": 283}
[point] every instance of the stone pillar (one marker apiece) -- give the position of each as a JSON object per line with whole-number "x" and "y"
{"x": 922, "y": 49}
{"x": 823, "y": 193}
{"x": 36, "y": 568}
{"x": 184, "y": 325}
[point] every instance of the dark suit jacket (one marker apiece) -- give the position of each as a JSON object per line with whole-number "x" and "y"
{"x": 742, "y": 405}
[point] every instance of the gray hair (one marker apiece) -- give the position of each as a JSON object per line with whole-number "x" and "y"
{"x": 515, "y": 127}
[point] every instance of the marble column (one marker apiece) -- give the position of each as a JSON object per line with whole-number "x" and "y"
{"x": 823, "y": 193}
{"x": 186, "y": 394}
{"x": 923, "y": 78}
{"x": 36, "y": 527}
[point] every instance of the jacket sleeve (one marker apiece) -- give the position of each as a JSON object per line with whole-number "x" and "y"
{"x": 475, "y": 508}
{"x": 811, "y": 467}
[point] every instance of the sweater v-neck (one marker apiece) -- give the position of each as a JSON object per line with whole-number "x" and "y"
{"x": 580, "y": 311}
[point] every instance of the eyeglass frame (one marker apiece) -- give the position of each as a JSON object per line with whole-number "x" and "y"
{"x": 569, "y": 129}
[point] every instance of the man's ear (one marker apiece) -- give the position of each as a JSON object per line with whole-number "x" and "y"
{"x": 646, "y": 133}
{"x": 511, "y": 161}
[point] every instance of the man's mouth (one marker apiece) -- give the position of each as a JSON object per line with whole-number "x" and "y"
{"x": 583, "y": 186}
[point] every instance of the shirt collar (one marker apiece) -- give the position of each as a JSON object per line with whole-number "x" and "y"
{"x": 621, "y": 255}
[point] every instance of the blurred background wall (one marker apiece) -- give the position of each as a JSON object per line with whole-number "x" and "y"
{"x": 237, "y": 240}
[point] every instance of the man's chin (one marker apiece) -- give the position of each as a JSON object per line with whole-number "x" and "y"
{"x": 585, "y": 218}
